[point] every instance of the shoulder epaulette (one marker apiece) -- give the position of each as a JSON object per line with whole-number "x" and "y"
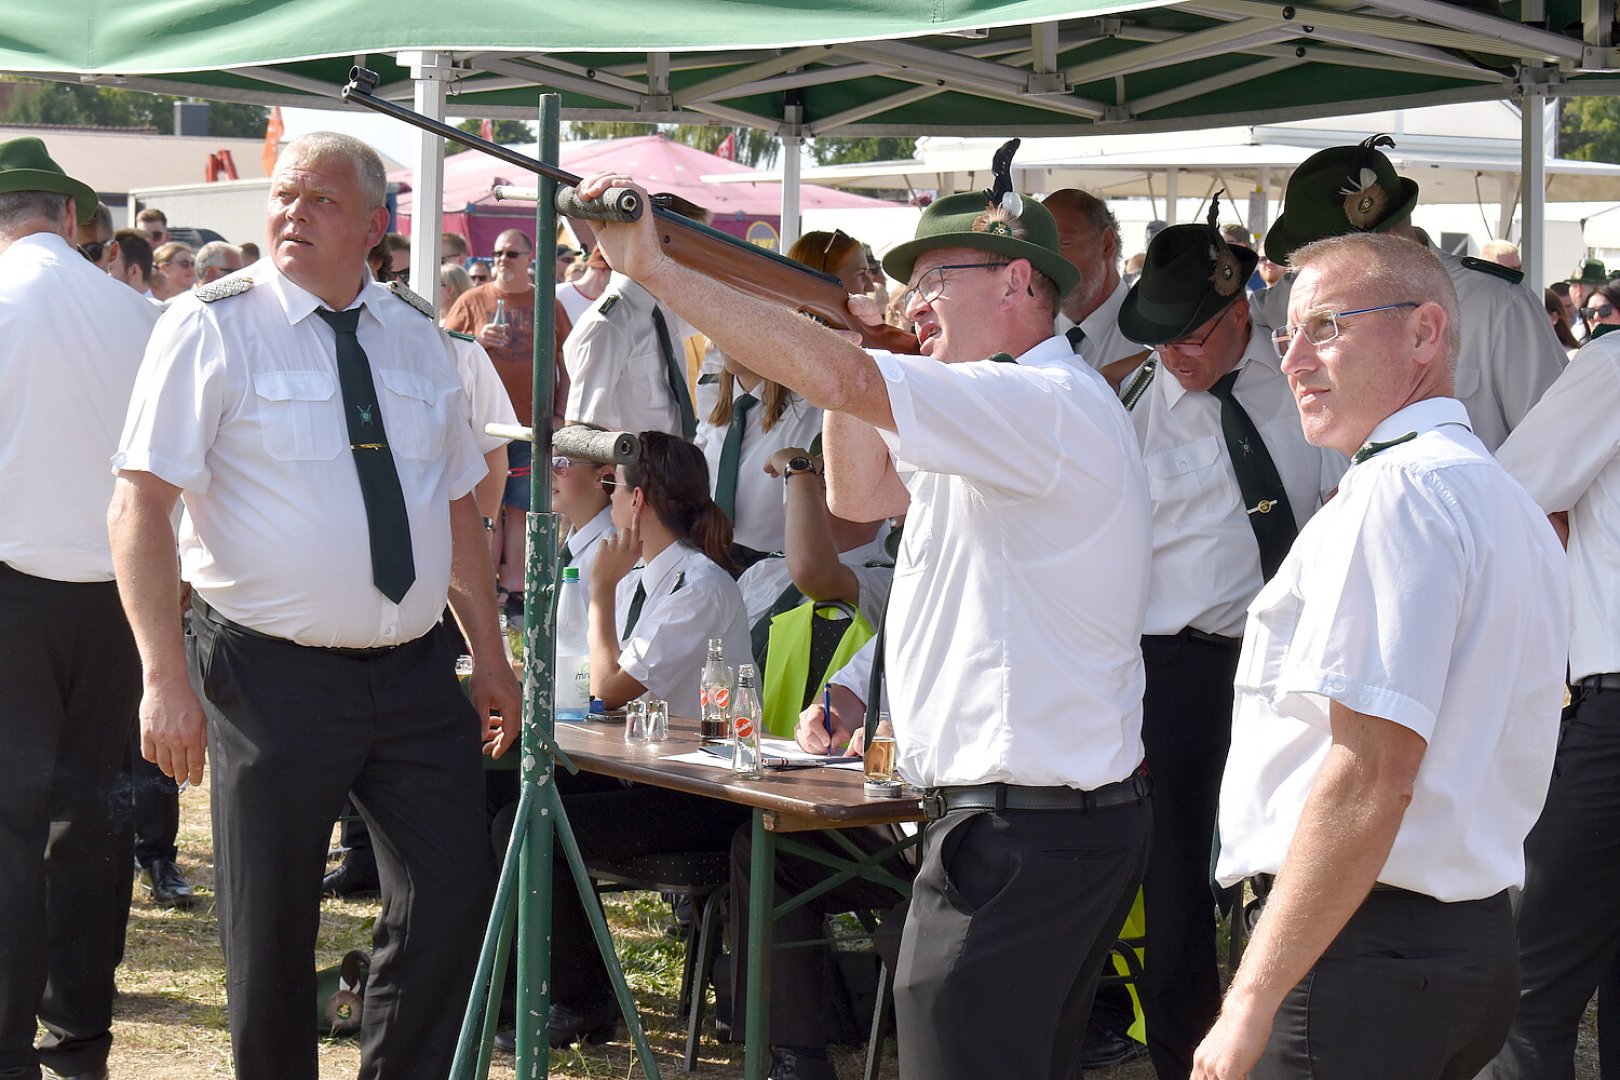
{"x": 411, "y": 298}
{"x": 1138, "y": 386}
{"x": 460, "y": 335}
{"x": 607, "y": 304}
{"x": 1485, "y": 266}
{"x": 219, "y": 290}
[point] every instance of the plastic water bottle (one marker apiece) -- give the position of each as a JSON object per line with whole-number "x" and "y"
{"x": 745, "y": 724}
{"x": 573, "y": 694}
{"x": 714, "y": 697}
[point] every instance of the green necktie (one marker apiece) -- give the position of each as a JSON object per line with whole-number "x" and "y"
{"x": 1373, "y": 449}
{"x": 1264, "y": 498}
{"x": 566, "y": 554}
{"x": 1076, "y": 338}
{"x": 725, "y": 481}
{"x": 675, "y": 376}
{"x": 392, "y": 566}
{"x": 635, "y": 610}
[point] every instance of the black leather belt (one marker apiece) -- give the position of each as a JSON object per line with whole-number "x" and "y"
{"x": 937, "y": 802}
{"x": 1199, "y": 636}
{"x": 206, "y": 610}
{"x": 1265, "y": 882}
{"x": 1609, "y": 681}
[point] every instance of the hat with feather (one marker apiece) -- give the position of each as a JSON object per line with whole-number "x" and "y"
{"x": 1190, "y": 275}
{"x": 1340, "y": 190}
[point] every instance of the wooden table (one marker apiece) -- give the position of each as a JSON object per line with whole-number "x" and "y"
{"x": 785, "y": 801}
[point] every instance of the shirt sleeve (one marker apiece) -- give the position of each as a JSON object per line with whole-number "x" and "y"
{"x": 1528, "y": 358}
{"x": 594, "y": 352}
{"x": 1382, "y": 603}
{"x": 485, "y": 392}
{"x": 1002, "y": 426}
{"x": 465, "y": 464}
{"x": 181, "y": 392}
{"x": 1572, "y": 433}
{"x": 857, "y": 673}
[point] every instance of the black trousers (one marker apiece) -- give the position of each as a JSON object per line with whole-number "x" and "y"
{"x": 1569, "y": 913}
{"x": 798, "y": 990}
{"x": 70, "y": 685}
{"x": 154, "y": 806}
{"x": 1411, "y": 989}
{"x": 1011, "y": 918}
{"x": 291, "y": 731}
{"x": 1186, "y": 730}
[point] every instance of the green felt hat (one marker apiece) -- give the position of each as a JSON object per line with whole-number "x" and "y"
{"x": 25, "y": 166}
{"x": 1340, "y": 190}
{"x": 1589, "y": 272}
{"x": 1190, "y": 275}
{"x": 969, "y": 220}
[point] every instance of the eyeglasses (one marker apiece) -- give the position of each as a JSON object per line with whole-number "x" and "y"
{"x": 95, "y": 249}
{"x": 512, "y": 254}
{"x": 401, "y": 276}
{"x": 837, "y": 235}
{"x": 560, "y": 465}
{"x": 609, "y": 485}
{"x": 1191, "y": 347}
{"x": 931, "y": 285}
{"x": 1597, "y": 312}
{"x": 481, "y": 274}
{"x": 1323, "y": 327}
{"x": 184, "y": 264}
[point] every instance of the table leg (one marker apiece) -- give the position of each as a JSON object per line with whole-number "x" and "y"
{"x": 761, "y": 922}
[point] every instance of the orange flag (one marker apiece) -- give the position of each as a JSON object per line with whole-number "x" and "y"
{"x": 273, "y": 131}
{"x": 486, "y": 130}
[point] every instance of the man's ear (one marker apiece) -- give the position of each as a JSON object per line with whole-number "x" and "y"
{"x": 1020, "y": 278}
{"x": 379, "y": 227}
{"x": 1428, "y": 332}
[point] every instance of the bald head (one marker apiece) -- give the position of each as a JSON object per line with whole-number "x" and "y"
{"x": 1088, "y": 236}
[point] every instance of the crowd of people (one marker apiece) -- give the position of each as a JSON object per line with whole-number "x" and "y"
{"x": 1231, "y": 574}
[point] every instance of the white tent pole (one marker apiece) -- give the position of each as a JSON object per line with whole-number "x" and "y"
{"x": 430, "y": 71}
{"x": 1533, "y": 149}
{"x": 1172, "y": 191}
{"x": 791, "y": 145}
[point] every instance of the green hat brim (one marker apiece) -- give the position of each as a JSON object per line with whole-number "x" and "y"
{"x": 1287, "y": 234}
{"x": 902, "y": 257}
{"x": 26, "y": 165}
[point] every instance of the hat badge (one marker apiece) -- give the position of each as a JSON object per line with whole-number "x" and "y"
{"x": 1363, "y": 199}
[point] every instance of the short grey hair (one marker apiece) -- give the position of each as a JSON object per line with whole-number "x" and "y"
{"x": 213, "y": 254}
{"x": 368, "y": 167}
{"x": 20, "y": 208}
{"x": 1392, "y": 270}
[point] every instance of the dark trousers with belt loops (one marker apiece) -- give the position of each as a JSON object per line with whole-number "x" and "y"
{"x": 1012, "y": 915}
{"x": 1186, "y": 730}
{"x": 70, "y": 682}
{"x": 1569, "y": 913}
{"x": 291, "y": 730}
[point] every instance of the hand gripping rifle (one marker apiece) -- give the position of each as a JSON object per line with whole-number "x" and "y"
{"x": 744, "y": 266}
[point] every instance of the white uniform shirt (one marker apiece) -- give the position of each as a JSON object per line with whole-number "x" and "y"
{"x": 70, "y": 343}
{"x": 238, "y": 405}
{"x": 573, "y": 301}
{"x": 761, "y": 503}
{"x": 583, "y": 543}
{"x": 1103, "y": 344}
{"x": 856, "y": 675}
{"x": 486, "y": 394}
{"x": 1430, "y": 592}
{"x": 767, "y": 579}
{"x": 617, "y": 375}
{"x": 1206, "y": 561}
{"x": 689, "y": 600}
{"x": 1566, "y": 453}
{"x": 1509, "y": 356}
{"x": 1013, "y": 649}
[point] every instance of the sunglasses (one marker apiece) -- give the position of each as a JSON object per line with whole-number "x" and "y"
{"x": 95, "y": 249}
{"x": 513, "y": 254}
{"x": 184, "y": 264}
{"x": 1597, "y": 312}
{"x": 837, "y": 235}
{"x": 609, "y": 485}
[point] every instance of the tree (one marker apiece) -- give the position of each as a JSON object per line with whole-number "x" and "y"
{"x": 506, "y": 133}
{"x": 841, "y": 150}
{"x": 75, "y": 104}
{"x": 1589, "y": 129}
{"x": 754, "y": 147}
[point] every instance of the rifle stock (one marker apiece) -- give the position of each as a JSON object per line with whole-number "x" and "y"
{"x": 743, "y": 266}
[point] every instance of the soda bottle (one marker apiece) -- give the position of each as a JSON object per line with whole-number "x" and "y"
{"x": 745, "y": 725}
{"x": 499, "y": 318}
{"x": 573, "y": 655}
{"x": 714, "y": 697}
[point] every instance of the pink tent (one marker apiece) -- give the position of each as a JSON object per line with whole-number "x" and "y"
{"x": 748, "y": 210}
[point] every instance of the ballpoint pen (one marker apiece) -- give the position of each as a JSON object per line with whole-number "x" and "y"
{"x": 826, "y": 714}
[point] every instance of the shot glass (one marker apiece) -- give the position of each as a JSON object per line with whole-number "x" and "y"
{"x": 657, "y": 721}
{"x": 635, "y": 721}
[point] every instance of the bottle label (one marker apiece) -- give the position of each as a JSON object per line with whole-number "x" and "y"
{"x": 720, "y": 696}
{"x": 744, "y": 726}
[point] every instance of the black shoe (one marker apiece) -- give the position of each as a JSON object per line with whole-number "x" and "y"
{"x": 801, "y": 1063}
{"x": 569, "y": 1026}
{"x": 91, "y": 1074}
{"x": 167, "y": 887}
{"x": 1106, "y": 1049}
{"x": 506, "y": 1041}
{"x": 352, "y": 880}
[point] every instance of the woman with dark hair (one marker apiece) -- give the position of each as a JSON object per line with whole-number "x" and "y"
{"x": 1557, "y": 315}
{"x": 649, "y": 630}
{"x": 1602, "y": 310}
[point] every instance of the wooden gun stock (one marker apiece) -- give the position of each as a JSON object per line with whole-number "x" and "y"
{"x": 744, "y": 266}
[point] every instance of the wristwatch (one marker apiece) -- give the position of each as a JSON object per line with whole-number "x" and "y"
{"x": 798, "y": 464}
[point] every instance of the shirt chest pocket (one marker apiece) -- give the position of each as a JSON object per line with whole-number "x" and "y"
{"x": 414, "y": 413}
{"x": 1177, "y": 474}
{"x": 298, "y": 416}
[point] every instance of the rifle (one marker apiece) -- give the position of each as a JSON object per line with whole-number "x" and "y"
{"x": 745, "y": 267}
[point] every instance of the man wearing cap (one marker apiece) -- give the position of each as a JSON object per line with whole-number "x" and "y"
{"x": 1013, "y": 657}
{"x": 1089, "y": 319}
{"x": 1396, "y": 706}
{"x": 1232, "y": 481}
{"x": 1588, "y": 278}
{"x": 1509, "y": 354}
{"x": 70, "y": 344}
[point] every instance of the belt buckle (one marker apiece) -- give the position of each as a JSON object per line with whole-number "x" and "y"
{"x": 933, "y": 804}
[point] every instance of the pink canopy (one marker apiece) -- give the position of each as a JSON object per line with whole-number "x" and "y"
{"x": 654, "y": 160}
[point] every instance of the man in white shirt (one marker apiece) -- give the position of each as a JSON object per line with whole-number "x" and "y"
{"x": 313, "y": 422}
{"x": 70, "y": 343}
{"x": 1089, "y": 317}
{"x": 1232, "y": 481}
{"x": 1014, "y": 665}
{"x": 578, "y": 295}
{"x": 1564, "y": 453}
{"x": 1397, "y": 705}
